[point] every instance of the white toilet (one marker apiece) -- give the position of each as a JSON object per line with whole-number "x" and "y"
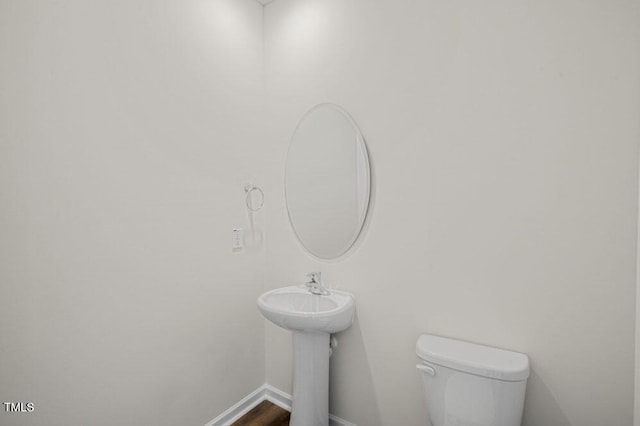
{"x": 471, "y": 385}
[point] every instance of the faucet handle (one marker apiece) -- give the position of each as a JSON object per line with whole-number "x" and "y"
{"x": 315, "y": 286}
{"x": 314, "y": 277}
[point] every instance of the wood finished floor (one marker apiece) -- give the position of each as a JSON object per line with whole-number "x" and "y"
{"x": 264, "y": 414}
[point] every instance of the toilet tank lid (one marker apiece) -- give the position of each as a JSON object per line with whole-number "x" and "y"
{"x": 473, "y": 358}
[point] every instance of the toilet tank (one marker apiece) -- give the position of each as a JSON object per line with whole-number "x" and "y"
{"x": 467, "y": 384}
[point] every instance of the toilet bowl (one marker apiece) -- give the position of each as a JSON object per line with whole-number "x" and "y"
{"x": 467, "y": 384}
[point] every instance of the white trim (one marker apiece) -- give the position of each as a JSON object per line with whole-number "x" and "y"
{"x": 239, "y": 409}
{"x": 276, "y": 396}
{"x": 337, "y": 421}
{"x": 268, "y": 393}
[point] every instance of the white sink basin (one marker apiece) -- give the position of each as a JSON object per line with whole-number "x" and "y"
{"x": 295, "y": 309}
{"x": 311, "y": 318}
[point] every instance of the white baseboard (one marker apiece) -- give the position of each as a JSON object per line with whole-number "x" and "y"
{"x": 239, "y": 409}
{"x": 276, "y": 396}
{"x": 264, "y": 392}
{"x": 337, "y": 421}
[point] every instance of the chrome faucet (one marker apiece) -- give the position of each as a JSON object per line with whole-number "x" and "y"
{"x": 315, "y": 284}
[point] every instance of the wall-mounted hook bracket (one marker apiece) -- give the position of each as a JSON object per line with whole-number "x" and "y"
{"x": 248, "y": 189}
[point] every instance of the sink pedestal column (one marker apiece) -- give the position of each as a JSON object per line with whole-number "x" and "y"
{"x": 310, "y": 379}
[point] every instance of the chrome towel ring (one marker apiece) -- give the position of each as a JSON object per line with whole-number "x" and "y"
{"x": 248, "y": 189}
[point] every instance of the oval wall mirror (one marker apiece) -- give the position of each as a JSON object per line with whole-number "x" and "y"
{"x": 327, "y": 181}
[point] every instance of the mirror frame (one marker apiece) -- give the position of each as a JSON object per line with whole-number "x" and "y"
{"x": 363, "y": 146}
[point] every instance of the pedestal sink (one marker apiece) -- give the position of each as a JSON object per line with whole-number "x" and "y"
{"x": 312, "y": 318}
